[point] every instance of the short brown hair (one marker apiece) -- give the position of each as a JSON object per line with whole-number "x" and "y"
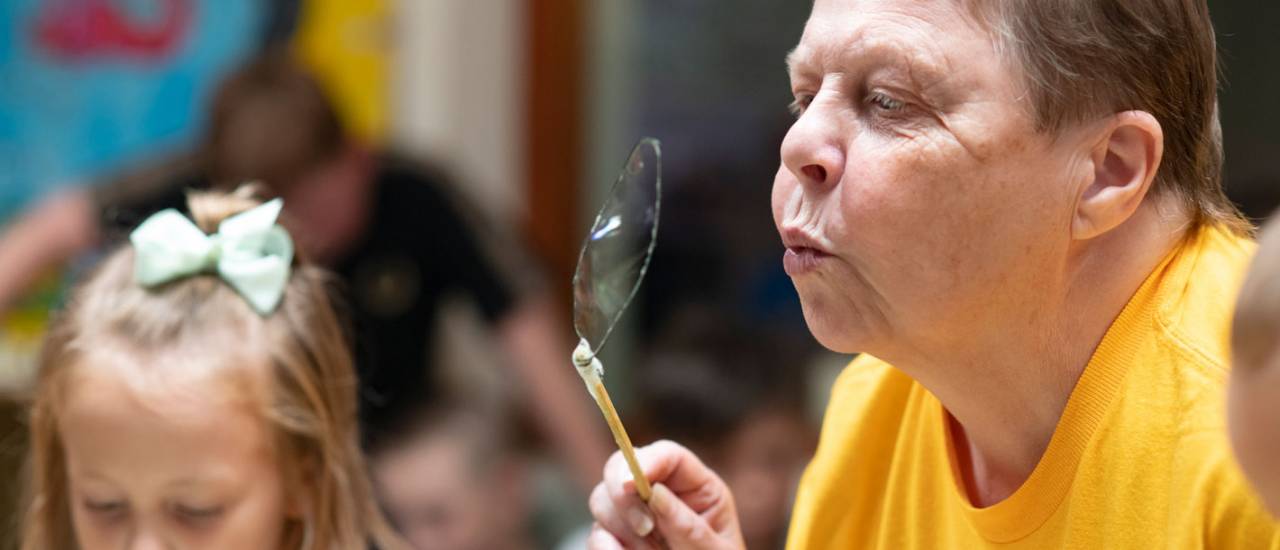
{"x": 270, "y": 121}
{"x": 1087, "y": 58}
{"x": 300, "y": 349}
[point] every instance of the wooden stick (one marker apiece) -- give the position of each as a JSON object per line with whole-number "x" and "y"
{"x": 620, "y": 436}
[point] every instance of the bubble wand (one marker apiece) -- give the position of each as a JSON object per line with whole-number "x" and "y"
{"x": 611, "y": 266}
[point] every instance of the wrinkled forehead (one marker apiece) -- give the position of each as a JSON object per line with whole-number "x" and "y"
{"x": 972, "y": 12}
{"x": 944, "y": 49}
{"x": 931, "y": 35}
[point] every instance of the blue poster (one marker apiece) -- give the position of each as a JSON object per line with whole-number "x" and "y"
{"x": 91, "y": 86}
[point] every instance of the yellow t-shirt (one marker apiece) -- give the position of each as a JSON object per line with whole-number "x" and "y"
{"x": 1139, "y": 459}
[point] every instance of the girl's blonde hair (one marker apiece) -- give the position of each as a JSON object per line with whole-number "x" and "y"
{"x": 300, "y": 348}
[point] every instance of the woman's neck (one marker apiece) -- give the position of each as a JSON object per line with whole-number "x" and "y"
{"x": 1006, "y": 393}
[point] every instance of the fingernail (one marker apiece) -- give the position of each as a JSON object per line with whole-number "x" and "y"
{"x": 660, "y": 497}
{"x": 640, "y": 522}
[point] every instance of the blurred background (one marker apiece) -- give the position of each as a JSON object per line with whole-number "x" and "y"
{"x": 521, "y": 112}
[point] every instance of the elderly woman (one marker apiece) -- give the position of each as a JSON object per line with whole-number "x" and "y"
{"x": 1014, "y": 210}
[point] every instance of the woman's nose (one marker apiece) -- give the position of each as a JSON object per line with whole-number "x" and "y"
{"x": 812, "y": 150}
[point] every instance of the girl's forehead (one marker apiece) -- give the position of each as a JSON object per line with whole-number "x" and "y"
{"x": 107, "y": 405}
{"x": 175, "y": 386}
{"x": 163, "y": 435}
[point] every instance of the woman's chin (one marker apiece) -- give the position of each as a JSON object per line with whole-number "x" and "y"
{"x": 838, "y": 331}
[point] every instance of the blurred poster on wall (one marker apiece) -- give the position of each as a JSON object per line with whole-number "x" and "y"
{"x": 347, "y": 44}
{"x": 91, "y": 85}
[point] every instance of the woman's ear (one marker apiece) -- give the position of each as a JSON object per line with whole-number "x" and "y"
{"x": 1125, "y": 160}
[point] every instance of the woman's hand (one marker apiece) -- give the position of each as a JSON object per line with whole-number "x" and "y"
{"x": 691, "y": 506}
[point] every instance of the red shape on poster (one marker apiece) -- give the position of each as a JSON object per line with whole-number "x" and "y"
{"x": 87, "y": 29}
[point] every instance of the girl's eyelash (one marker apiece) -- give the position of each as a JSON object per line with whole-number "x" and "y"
{"x": 198, "y": 513}
{"x": 110, "y": 507}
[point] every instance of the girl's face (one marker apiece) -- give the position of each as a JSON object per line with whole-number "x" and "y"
{"x": 171, "y": 461}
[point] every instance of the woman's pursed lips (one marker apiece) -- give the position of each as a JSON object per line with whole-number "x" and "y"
{"x": 804, "y": 254}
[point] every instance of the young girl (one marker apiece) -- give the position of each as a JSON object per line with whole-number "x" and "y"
{"x": 198, "y": 392}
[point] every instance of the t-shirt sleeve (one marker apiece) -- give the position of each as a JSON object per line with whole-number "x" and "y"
{"x": 450, "y": 246}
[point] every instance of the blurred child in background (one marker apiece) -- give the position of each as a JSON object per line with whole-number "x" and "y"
{"x": 450, "y": 479}
{"x": 717, "y": 389}
{"x": 1254, "y": 400}
{"x": 198, "y": 392}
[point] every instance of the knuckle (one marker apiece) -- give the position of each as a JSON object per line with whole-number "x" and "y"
{"x": 608, "y": 465}
{"x": 615, "y": 470}
{"x": 667, "y": 446}
{"x": 599, "y": 503}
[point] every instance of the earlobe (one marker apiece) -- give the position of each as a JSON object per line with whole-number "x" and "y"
{"x": 1125, "y": 160}
{"x": 297, "y": 504}
{"x": 300, "y": 498}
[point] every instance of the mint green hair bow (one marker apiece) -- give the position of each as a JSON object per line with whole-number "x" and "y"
{"x": 250, "y": 252}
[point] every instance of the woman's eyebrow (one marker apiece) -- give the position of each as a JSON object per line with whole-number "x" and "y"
{"x": 796, "y": 58}
{"x": 921, "y": 68}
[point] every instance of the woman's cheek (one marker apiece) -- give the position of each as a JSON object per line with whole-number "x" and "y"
{"x": 783, "y": 186}
{"x": 890, "y": 190}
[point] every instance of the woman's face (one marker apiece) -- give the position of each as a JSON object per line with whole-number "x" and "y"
{"x": 167, "y": 462}
{"x": 916, "y": 198}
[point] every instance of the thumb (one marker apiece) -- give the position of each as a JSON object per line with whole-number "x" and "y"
{"x": 678, "y": 523}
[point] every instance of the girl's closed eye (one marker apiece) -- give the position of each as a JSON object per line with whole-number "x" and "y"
{"x": 197, "y": 514}
{"x": 105, "y": 508}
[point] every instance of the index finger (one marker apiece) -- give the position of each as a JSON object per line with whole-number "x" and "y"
{"x": 665, "y": 462}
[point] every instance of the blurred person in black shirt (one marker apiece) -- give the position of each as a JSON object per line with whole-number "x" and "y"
{"x": 384, "y": 225}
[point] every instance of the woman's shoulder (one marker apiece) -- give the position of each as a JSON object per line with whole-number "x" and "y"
{"x": 870, "y": 401}
{"x": 1197, "y": 303}
{"x": 867, "y": 390}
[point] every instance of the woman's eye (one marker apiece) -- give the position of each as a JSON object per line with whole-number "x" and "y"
{"x": 885, "y": 103}
{"x": 800, "y": 103}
